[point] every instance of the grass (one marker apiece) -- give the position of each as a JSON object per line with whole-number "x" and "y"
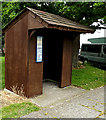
{"x": 17, "y": 110}
{"x": 88, "y": 78}
{"x": 2, "y": 72}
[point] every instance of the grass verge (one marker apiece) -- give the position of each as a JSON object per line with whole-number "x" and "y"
{"x": 17, "y": 110}
{"x": 2, "y": 72}
{"x": 88, "y": 78}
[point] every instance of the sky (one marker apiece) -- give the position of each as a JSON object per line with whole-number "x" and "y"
{"x": 97, "y": 34}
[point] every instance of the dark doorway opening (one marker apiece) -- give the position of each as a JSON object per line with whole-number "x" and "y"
{"x": 52, "y": 56}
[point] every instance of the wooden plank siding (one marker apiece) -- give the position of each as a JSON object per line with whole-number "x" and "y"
{"x": 35, "y": 70}
{"x": 66, "y": 62}
{"x": 34, "y": 22}
{"x": 15, "y": 20}
{"x": 16, "y": 55}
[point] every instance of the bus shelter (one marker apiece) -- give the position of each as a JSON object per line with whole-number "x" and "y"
{"x": 38, "y": 46}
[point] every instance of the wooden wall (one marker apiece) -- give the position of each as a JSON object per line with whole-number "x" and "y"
{"x": 16, "y": 39}
{"x": 34, "y": 23}
{"x": 66, "y": 62}
{"x": 35, "y": 70}
{"x": 20, "y": 65}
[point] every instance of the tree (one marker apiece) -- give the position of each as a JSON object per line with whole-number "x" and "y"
{"x": 83, "y": 12}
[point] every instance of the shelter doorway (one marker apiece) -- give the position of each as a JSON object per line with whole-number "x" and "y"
{"x": 56, "y": 63}
{"x": 52, "y": 56}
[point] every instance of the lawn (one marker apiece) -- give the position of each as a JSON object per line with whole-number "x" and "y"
{"x": 88, "y": 78}
{"x": 2, "y": 72}
{"x": 17, "y": 110}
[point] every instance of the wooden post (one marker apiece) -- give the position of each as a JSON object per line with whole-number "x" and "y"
{"x": 66, "y": 63}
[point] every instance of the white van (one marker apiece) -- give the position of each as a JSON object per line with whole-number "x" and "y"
{"x": 95, "y": 52}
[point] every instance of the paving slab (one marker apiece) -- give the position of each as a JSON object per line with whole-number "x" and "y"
{"x": 53, "y": 94}
{"x": 69, "y": 102}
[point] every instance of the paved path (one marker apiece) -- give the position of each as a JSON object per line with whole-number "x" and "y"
{"x": 69, "y": 102}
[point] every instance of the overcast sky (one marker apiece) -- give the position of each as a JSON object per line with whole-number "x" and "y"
{"x": 97, "y": 34}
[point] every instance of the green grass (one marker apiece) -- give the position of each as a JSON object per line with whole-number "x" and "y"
{"x": 2, "y": 72}
{"x": 18, "y": 110}
{"x": 88, "y": 78}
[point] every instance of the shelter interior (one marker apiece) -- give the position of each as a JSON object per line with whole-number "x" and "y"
{"x": 52, "y": 53}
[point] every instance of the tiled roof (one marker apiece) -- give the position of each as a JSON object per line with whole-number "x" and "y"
{"x": 58, "y": 20}
{"x": 53, "y": 21}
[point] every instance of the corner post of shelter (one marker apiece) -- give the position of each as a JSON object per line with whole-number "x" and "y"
{"x": 35, "y": 69}
{"x": 66, "y": 62}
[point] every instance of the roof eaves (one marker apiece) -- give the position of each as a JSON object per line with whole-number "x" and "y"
{"x": 80, "y": 27}
{"x": 50, "y": 23}
{"x": 69, "y": 28}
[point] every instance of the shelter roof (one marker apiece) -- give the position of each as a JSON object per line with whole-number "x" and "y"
{"x": 56, "y": 21}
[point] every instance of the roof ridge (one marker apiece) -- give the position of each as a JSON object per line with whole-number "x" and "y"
{"x": 66, "y": 20}
{"x": 52, "y": 20}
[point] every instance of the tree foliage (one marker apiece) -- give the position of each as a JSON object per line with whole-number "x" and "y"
{"x": 83, "y": 12}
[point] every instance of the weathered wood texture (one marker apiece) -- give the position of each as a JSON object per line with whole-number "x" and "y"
{"x": 35, "y": 70}
{"x": 15, "y": 20}
{"x": 16, "y": 39}
{"x": 66, "y": 62}
{"x": 35, "y": 22}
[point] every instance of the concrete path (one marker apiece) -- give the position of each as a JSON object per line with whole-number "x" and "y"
{"x": 69, "y": 102}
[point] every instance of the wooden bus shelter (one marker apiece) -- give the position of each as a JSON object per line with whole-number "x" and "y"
{"x": 38, "y": 45}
